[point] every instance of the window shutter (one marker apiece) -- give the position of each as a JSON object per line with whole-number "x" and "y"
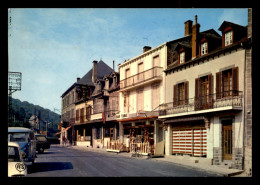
{"x": 235, "y": 80}
{"x": 218, "y": 85}
{"x": 77, "y": 115}
{"x": 197, "y": 102}
{"x": 210, "y": 90}
{"x": 186, "y": 92}
{"x": 175, "y": 95}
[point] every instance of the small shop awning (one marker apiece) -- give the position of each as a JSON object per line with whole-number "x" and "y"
{"x": 196, "y": 118}
{"x": 57, "y": 133}
{"x": 66, "y": 129}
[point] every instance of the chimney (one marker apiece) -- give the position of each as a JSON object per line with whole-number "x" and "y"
{"x": 113, "y": 65}
{"x": 188, "y": 26}
{"x": 195, "y": 38}
{"x": 146, "y": 48}
{"x": 94, "y": 71}
{"x": 78, "y": 79}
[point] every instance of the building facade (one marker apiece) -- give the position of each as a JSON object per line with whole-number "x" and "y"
{"x": 203, "y": 113}
{"x": 141, "y": 92}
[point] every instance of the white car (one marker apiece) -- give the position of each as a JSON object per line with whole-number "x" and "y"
{"x": 16, "y": 166}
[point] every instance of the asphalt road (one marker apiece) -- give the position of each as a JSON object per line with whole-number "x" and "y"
{"x": 70, "y": 162}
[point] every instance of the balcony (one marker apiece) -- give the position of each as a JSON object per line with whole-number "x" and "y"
{"x": 205, "y": 104}
{"x": 145, "y": 77}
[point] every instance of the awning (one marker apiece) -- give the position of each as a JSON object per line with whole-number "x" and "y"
{"x": 66, "y": 129}
{"x": 57, "y": 133}
{"x": 137, "y": 118}
{"x": 196, "y": 118}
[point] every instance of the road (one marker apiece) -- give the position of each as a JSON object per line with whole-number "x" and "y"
{"x": 70, "y": 162}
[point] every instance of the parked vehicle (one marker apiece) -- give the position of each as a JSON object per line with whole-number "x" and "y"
{"x": 42, "y": 143}
{"x": 26, "y": 139}
{"x": 16, "y": 166}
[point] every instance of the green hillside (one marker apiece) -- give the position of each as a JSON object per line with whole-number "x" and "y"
{"x": 24, "y": 110}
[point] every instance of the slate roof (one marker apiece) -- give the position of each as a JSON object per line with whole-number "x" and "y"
{"x": 102, "y": 70}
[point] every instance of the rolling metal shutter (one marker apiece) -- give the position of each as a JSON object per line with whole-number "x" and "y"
{"x": 191, "y": 141}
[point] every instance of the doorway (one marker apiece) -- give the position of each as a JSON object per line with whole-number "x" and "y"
{"x": 227, "y": 139}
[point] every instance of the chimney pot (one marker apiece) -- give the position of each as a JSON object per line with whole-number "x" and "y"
{"x": 196, "y": 19}
{"x": 146, "y": 48}
{"x": 78, "y": 79}
{"x": 188, "y": 26}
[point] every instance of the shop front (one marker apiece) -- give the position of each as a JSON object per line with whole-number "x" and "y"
{"x": 188, "y": 136}
{"x": 138, "y": 136}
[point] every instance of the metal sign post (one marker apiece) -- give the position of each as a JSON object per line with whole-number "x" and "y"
{"x": 14, "y": 84}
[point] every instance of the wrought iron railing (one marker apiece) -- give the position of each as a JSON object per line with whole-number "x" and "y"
{"x": 141, "y": 77}
{"x": 212, "y": 101}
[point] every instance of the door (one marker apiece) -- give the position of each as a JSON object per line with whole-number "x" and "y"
{"x": 227, "y": 142}
{"x": 111, "y": 134}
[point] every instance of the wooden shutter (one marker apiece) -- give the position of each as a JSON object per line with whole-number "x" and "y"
{"x": 218, "y": 85}
{"x": 77, "y": 115}
{"x": 197, "y": 87}
{"x": 210, "y": 78}
{"x": 175, "y": 95}
{"x": 235, "y": 81}
{"x": 186, "y": 92}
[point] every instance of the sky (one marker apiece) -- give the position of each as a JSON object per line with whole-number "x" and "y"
{"x": 52, "y": 47}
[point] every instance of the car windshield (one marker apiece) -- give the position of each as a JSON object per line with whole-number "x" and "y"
{"x": 17, "y": 137}
{"x": 13, "y": 154}
{"x": 41, "y": 138}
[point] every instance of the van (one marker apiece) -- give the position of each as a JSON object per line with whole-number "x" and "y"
{"x": 26, "y": 139}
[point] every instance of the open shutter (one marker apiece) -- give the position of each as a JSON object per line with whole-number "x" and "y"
{"x": 175, "y": 95}
{"x": 235, "y": 81}
{"x": 197, "y": 102}
{"x": 218, "y": 85}
{"x": 210, "y": 104}
{"x": 186, "y": 92}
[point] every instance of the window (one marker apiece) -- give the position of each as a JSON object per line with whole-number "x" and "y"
{"x": 156, "y": 61}
{"x": 182, "y": 57}
{"x": 140, "y": 100}
{"x": 204, "y": 92}
{"x": 127, "y": 79}
{"x": 126, "y": 102}
{"x": 204, "y": 48}
{"x": 13, "y": 154}
{"x": 181, "y": 93}
{"x": 228, "y": 38}
{"x": 140, "y": 72}
{"x": 77, "y": 115}
{"x": 227, "y": 83}
{"x": 156, "y": 96}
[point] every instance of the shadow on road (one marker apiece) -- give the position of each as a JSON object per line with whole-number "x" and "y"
{"x": 49, "y": 166}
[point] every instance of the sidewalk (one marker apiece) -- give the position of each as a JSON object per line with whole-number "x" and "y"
{"x": 183, "y": 161}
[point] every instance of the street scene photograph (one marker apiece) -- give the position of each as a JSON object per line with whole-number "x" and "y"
{"x": 129, "y": 92}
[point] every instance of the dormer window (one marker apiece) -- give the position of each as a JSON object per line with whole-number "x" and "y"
{"x": 182, "y": 57}
{"x": 228, "y": 38}
{"x": 204, "y": 48}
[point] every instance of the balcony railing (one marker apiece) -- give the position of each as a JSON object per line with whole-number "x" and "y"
{"x": 212, "y": 101}
{"x": 141, "y": 77}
